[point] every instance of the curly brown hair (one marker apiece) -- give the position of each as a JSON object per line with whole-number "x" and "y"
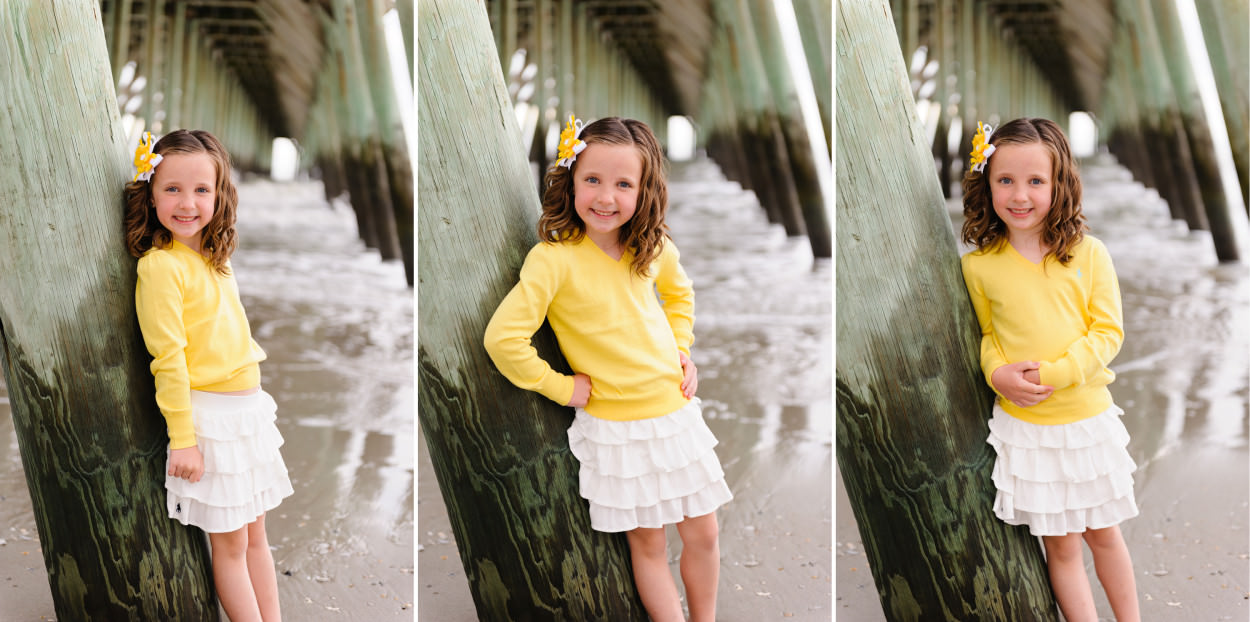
{"x": 1064, "y": 225}
{"x": 644, "y": 233}
{"x": 218, "y": 238}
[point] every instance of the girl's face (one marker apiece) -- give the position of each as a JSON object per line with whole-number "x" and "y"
{"x": 1021, "y": 187}
{"x": 605, "y": 189}
{"x": 184, "y": 188}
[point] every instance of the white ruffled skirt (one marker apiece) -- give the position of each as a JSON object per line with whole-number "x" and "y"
{"x": 650, "y": 472}
{"x": 1061, "y": 479}
{"x": 244, "y": 475}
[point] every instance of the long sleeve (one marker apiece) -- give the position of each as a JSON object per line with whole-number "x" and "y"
{"x": 991, "y": 357}
{"x": 1092, "y": 353}
{"x": 677, "y": 293}
{"x": 518, "y": 317}
{"x": 159, "y": 306}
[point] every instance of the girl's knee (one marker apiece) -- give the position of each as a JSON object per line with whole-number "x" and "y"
{"x": 700, "y": 532}
{"x": 230, "y": 544}
{"x": 1104, "y": 538}
{"x": 647, "y": 542}
{"x": 1063, "y": 548}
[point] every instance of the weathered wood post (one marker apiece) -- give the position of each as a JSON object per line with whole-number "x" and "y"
{"x": 91, "y": 438}
{"x": 1228, "y": 46}
{"x": 809, "y": 194}
{"x": 393, "y": 145}
{"x": 912, "y": 403}
{"x": 500, "y": 453}
{"x": 1194, "y": 121}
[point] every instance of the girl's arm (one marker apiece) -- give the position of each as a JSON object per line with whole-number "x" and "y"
{"x": 158, "y": 305}
{"x": 991, "y": 357}
{"x": 1011, "y": 381}
{"x": 514, "y": 323}
{"x": 1090, "y": 354}
{"x": 677, "y": 293}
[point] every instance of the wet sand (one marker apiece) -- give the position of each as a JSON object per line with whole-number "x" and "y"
{"x": 337, "y": 324}
{"x": 765, "y": 367}
{"x": 1183, "y": 379}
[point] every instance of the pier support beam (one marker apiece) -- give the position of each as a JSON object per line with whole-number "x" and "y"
{"x": 500, "y": 453}
{"x": 1228, "y": 46}
{"x": 92, "y": 441}
{"x": 912, "y": 402}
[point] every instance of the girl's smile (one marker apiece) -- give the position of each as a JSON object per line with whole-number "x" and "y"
{"x": 605, "y": 191}
{"x": 184, "y": 189}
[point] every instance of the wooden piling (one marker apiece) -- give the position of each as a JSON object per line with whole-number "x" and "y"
{"x": 500, "y": 453}
{"x": 793, "y": 130}
{"x": 92, "y": 441}
{"x": 1163, "y": 130}
{"x": 1228, "y": 46}
{"x": 1194, "y": 121}
{"x": 814, "y": 18}
{"x": 911, "y": 401}
{"x": 393, "y": 147}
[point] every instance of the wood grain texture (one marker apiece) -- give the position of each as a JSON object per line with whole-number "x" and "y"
{"x": 91, "y": 438}
{"x": 500, "y": 453}
{"x": 912, "y": 404}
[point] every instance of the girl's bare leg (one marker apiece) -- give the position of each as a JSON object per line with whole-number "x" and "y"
{"x": 700, "y": 565}
{"x": 649, "y": 552}
{"x": 234, "y": 586}
{"x": 1067, "y": 577}
{"x": 261, "y": 570}
{"x": 1115, "y": 571}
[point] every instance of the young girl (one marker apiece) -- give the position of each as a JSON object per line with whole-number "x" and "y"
{"x": 1048, "y": 302}
{"x": 224, "y": 467}
{"x": 646, "y": 455}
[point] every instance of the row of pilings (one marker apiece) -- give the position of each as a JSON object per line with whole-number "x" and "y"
{"x": 747, "y": 112}
{"x": 340, "y": 106}
{"x": 1124, "y": 62}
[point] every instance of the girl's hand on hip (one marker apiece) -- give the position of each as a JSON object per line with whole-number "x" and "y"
{"x": 690, "y": 375}
{"x": 186, "y": 463}
{"x": 1014, "y": 382}
{"x": 581, "y": 391}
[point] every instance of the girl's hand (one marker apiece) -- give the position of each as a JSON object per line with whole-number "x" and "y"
{"x": 690, "y": 375}
{"x": 581, "y": 391}
{"x": 186, "y": 463}
{"x": 1021, "y": 383}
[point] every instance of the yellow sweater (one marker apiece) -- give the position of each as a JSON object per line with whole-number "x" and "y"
{"x": 196, "y": 331}
{"x": 1068, "y": 318}
{"x": 609, "y": 324}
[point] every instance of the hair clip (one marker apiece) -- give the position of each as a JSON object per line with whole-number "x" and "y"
{"x": 145, "y": 160}
{"x": 981, "y": 147}
{"x": 570, "y": 146}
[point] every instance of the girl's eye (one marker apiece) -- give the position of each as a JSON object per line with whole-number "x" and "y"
{"x": 1035, "y": 182}
{"x": 202, "y": 190}
{"x": 625, "y": 184}
{"x": 171, "y": 189}
{"x": 592, "y": 180}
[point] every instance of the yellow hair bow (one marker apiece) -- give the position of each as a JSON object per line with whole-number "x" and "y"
{"x": 981, "y": 147}
{"x": 145, "y": 160}
{"x": 570, "y": 146}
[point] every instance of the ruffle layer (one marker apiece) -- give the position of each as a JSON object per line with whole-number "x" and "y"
{"x": 647, "y": 473}
{"x": 244, "y": 475}
{"x": 667, "y": 512}
{"x": 1070, "y": 521}
{"x": 1063, "y": 478}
